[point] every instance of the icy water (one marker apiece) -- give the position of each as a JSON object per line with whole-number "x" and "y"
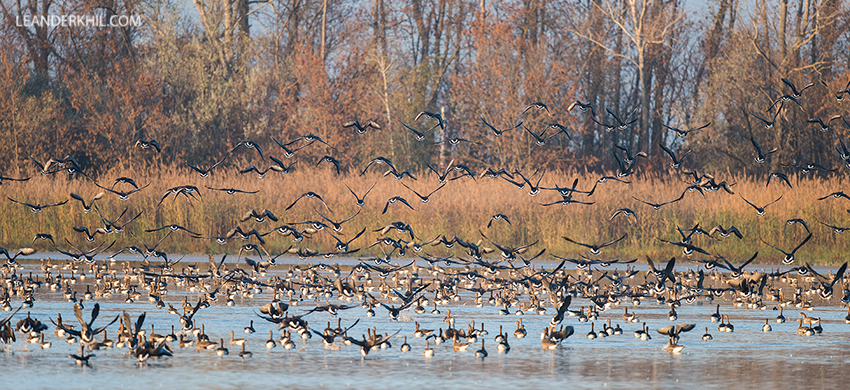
{"x": 746, "y": 358}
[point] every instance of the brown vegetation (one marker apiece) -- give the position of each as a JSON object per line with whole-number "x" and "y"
{"x": 200, "y": 81}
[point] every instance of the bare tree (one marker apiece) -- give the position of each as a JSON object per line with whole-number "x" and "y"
{"x": 644, "y": 23}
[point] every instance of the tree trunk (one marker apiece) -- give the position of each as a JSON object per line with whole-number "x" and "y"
{"x": 324, "y": 28}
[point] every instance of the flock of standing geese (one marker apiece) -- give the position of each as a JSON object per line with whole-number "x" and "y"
{"x": 421, "y": 287}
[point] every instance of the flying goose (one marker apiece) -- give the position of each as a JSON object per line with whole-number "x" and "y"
{"x": 361, "y": 129}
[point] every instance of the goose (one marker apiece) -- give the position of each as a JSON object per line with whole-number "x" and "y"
{"x": 766, "y": 327}
{"x": 676, "y": 162}
{"x": 789, "y": 257}
{"x": 496, "y": 132}
{"x": 155, "y": 337}
{"x": 581, "y": 316}
{"x": 547, "y": 343}
{"x": 706, "y": 336}
{"x": 591, "y": 335}
{"x": 330, "y": 160}
{"x": 645, "y": 335}
{"x": 171, "y": 336}
{"x": 432, "y": 115}
{"x": 499, "y": 336}
{"x": 361, "y": 129}
{"x": 405, "y": 347}
{"x": 232, "y": 191}
{"x": 629, "y": 317}
{"x": 540, "y": 139}
{"x": 768, "y": 124}
{"x": 309, "y": 195}
{"x": 206, "y": 344}
{"x": 221, "y": 350}
{"x": 716, "y": 316}
{"x": 423, "y": 198}
{"x": 395, "y": 199}
{"x": 722, "y": 326}
{"x": 204, "y": 172}
{"x": 503, "y": 346}
{"x": 520, "y": 331}
{"x": 428, "y": 351}
{"x": 673, "y": 333}
{"x": 759, "y": 210}
{"x": 82, "y": 359}
{"x": 287, "y": 342}
{"x": 250, "y": 145}
{"x": 595, "y": 249}
{"x": 817, "y": 328}
{"x": 2, "y": 178}
{"x": 729, "y": 327}
{"x": 37, "y": 208}
{"x": 43, "y": 344}
{"x": 504, "y": 311}
{"x": 623, "y": 211}
{"x": 419, "y": 332}
{"x": 270, "y": 342}
{"x": 657, "y": 206}
{"x": 684, "y": 133}
{"x": 245, "y": 354}
{"x": 420, "y": 135}
{"x": 183, "y": 343}
{"x": 481, "y": 353}
{"x": 804, "y": 331}
{"x": 87, "y": 207}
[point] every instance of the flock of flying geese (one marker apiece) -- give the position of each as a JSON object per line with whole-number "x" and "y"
{"x": 510, "y": 282}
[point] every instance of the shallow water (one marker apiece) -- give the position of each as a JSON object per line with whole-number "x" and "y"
{"x": 748, "y": 357}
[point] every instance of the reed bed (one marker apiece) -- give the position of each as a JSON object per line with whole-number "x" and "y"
{"x": 462, "y": 208}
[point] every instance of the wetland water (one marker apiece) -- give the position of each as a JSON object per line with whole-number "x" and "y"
{"x": 748, "y": 357}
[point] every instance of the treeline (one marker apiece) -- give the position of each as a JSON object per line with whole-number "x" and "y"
{"x": 200, "y": 77}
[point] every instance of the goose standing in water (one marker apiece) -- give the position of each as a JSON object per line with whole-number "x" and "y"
{"x": 503, "y": 346}
{"x": 481, "y": 353}
{"x": 270, "y": 342}
{"x": 428, "y": 351}
{"x": 221, "y": 350}
{"x": 706, "y": 336}
{"x": 245, "y": 354}
{"x": 520, "y": 331}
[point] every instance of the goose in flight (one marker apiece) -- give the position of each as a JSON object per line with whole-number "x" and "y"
{"x": 250, "y": 145}
{"x": 789, "y": 256}
{"x": 87, "y": 207}
{"x": 595, "y": 249}
{"x": 3, "y": 178}
{"x": 395, "y": 199}
{"x": 143, "y": 144}
{"x": 438, "y": 117}
{"x": 676, "y": 162}
{"x": 37, "y": 208}
{"x": 231, "y": 191}
{"x": 497, "y": 132}
{"x": 760, "y": 156}
{"x": 420, "y": 136}
{"x": 684, "y": 133}
{"x": 760, "y": 210}
{"x": 361, "y": 129}
{"x": 360, "y": 201}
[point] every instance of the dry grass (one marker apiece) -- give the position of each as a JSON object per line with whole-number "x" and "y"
{"x": 462, "y": 208}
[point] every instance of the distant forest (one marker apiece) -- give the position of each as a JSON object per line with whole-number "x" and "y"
{"x": 200, "y": 77}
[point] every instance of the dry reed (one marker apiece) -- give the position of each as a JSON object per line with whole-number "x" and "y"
{"x": 460, "y": 209}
